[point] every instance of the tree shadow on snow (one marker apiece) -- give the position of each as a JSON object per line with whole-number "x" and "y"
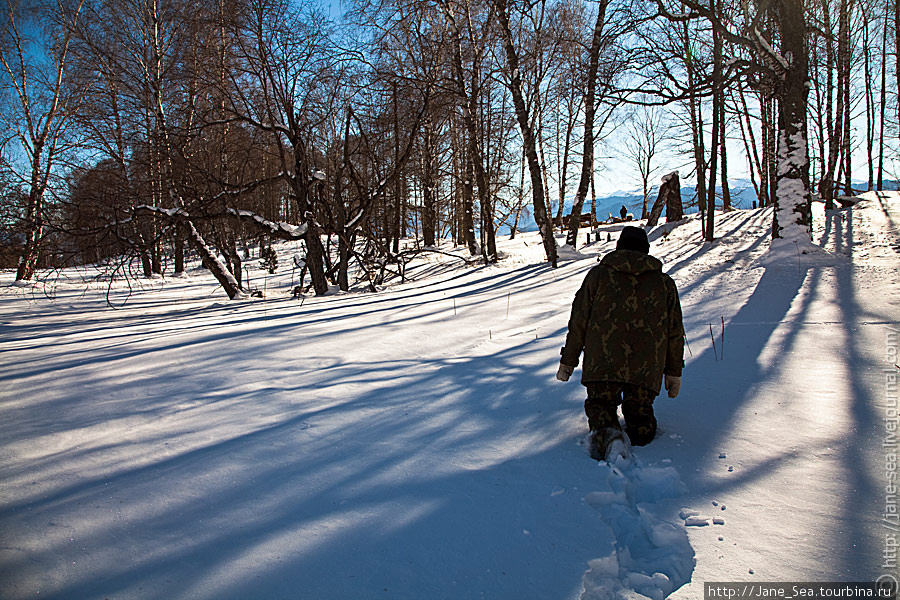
{"x": 718, "y": 390}
{"x": 420, "y": 485}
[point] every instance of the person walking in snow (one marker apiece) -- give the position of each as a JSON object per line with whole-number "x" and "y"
{"x": 626, "y": 318}
{"x": 623, "y": 212}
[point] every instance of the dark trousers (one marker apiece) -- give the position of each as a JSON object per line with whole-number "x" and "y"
{"x": 637, "y": 406}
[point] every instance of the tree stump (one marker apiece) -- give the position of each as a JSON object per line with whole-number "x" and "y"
{"x": 669, "y": 197}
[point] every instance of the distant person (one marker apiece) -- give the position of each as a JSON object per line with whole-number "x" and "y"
{"x": 626, "y": 318}
{"x": 623, "y": 212}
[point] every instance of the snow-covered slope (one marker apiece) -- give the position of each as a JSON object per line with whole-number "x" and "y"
{"x": 413, "y": 443}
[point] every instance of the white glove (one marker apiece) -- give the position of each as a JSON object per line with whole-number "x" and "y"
{"x": 564, "y": 372}
{"x": 672, "y": 385}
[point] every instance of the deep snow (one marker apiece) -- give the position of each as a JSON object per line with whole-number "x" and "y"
{"x": 413, "y": 443}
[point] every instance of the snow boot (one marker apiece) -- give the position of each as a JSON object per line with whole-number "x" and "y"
{"x": 606, "y": 443}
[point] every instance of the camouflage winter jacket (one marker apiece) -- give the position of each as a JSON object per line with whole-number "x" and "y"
{"x": 627, "y": 319}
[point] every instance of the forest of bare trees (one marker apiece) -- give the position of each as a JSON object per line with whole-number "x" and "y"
{"x": 137, "y": 133}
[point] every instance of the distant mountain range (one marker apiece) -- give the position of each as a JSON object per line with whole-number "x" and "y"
{"x": 743, "y": 195}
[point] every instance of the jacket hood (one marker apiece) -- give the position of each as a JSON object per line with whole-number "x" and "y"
{"x": 631, "y": 262}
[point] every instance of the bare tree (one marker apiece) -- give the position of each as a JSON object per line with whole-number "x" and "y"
{"x": 751, "y": 148}
{"x": 468, "y": 28}
{"x": 867, "y": 14}
{"x": 718, "y": 106}
{"x": 156, "y": 79}
{"x": 883, "y": 99}
{"x": 36, "y": 71}
{"x": 645, "y": 134}
{"x": 897, "y": 54}
{"x": 284, "y": 56}
{"x": 674, "y": 68}
{"x": 603, "y": 39}
{"x": 783, "y": 68}
{"x": 566, "y": 92}
{"x": 529, "y": 139}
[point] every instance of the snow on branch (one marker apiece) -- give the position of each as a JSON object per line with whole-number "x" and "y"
{"x": 775, "y": 58}
{"x": 171, "y": 213}
{"x": 278, "y": 229}
{"x": 225, "y": 278}
{"x": 232, "y": 286}
{"x": 219, "y": 270}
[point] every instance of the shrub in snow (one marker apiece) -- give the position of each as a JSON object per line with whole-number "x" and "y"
{"x": 268, "y": 259}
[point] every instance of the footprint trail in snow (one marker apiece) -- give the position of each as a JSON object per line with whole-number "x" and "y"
{"x": 648, "y": 557}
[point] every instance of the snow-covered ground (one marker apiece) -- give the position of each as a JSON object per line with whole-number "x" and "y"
{"x": 413, "y": 443}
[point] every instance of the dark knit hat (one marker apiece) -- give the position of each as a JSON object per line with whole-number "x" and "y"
{"x": 633, "y": 238}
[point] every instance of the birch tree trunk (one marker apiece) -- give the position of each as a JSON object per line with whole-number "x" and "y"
{"x": 709, "y": 233}
{"x": 726, "y": 191}
{"x": 38, "y": 90}
{"x": 879, "y": 185}
{"x": 587, "y": 161}
{"x": 429, "y": 213}
{"x": 791, "y": 220}
{"x": 475, "y": 166}
{"x": 696, "y": 117}
{"x": 529, "y": 140}
{"x": 846, "y": 50}
{"x": 870, "y": 105}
